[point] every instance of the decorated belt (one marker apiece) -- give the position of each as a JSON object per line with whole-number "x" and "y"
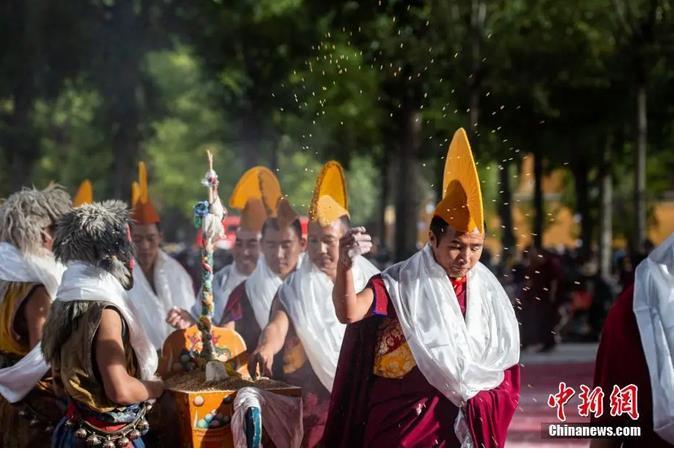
{"x": 100, "y": 433}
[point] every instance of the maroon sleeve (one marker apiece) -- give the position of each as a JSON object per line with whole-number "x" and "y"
{"x": 381, "y": 304}
{"x": 490, "y": 412}
{"x": 234, "y": 310}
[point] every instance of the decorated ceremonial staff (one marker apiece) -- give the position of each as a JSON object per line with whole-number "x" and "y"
{"x": 208, "y": 216}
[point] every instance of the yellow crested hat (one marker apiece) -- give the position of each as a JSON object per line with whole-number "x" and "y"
{"x": 257, "y": 195}
{"x": 84, "y": 195}
{"x": 461, "y": 204}
{"x": 143, "y": 209}
{"x": 330, "y": 200}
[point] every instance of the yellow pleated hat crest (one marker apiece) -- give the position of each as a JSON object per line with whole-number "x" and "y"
{"x": 330, "y": 200}
{"x": 257, "y": 195}
{"x": 84, "y": 195}
{"x": 461, "y": 205}
{"x": 257, "y": 182}
{"x": 143, "y": 209}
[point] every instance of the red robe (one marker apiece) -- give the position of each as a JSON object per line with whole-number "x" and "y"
{"x": 240, "y": 311}
{"x": 292, "y": 367}
{"x": 621, "y": 361}
{"x": 372, "y": 411}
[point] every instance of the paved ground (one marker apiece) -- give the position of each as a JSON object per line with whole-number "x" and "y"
{"x": 541, "y": 374}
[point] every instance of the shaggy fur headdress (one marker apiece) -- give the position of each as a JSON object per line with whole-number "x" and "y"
{"x": 27, "y": 212}
{"x": 97, "y": 233}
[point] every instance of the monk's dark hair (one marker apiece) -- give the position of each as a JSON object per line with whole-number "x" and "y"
{"x": 273, "y": 223}
{"x": 439, "y": 228}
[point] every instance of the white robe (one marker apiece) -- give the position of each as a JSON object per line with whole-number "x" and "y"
{"x": 224, "y": 281}
{"x": 174, "y": 289}
{"x": 307, "y": 298}
{"x": 17, "y": 380}
{"x": 654, "y": 311}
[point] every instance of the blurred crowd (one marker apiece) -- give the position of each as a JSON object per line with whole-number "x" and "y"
{"x": 558, "y": 295}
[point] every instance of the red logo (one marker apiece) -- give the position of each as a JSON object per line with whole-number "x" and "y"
{"x": 560, "y": 399}
{"x": 622, "y": 401}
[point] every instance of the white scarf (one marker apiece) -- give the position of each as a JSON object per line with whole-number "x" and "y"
{"x": 85, "y": 282}
{"x": 224, "y": 282}
{"x": 459, "y": 357}
{"x": 17, "y": 380}
{"x": 654, "y": 311}
{"x": 261, "y": 287}
{"x": 17, "y": 267}
{"x": 307, "y": 298}
{"x": 174, "y": 289}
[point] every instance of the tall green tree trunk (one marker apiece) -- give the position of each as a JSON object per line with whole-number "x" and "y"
{"x": 606, "y": 210}
{"x": 407, "y": 201}
{"x": 640, "y": 164}
{"x": 539, "y": 209}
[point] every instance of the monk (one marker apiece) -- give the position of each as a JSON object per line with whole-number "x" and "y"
{"x": 161, "y": 283}
{"x": 250, "y": 304}
{"x": 301, "y": 343}
{"x": 255, "y": 193}
{"x": 633, "y": 351}
{"x": 430, "y": 355}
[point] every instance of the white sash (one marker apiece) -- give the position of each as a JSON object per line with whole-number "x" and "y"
{"x": 460, "y": 357}
{"x": 85, "y": 282}
{"x": 174, "y": 289}
{"x": 307, "y": 298}
{"x": 261, "y": 287}
{"x": 17, "y": 380}
{"x": 654, "y": 311}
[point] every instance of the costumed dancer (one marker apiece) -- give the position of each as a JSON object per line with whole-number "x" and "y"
{"x": 100, "y": 355}
{"x": 29, "y": 278}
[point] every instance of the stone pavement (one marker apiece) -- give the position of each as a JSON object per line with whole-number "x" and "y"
{"x": 541, "y": 373}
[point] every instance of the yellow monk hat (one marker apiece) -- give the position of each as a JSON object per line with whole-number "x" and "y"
{"x": 461, "y": 204}
{"x": 143, "y": 209}
{"x": 330, "y": 200}
{"x": 84, "y": 195}
{"x": 257, "y": 195}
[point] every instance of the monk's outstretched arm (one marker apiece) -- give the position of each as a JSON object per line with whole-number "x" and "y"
{"x": 271, "y": 341}
{"x": 351, "y": 306}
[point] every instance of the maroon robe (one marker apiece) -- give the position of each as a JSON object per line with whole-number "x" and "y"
{"x": 372, "y": 411}
{"x": 621, "y": 361}
{"x": 240, "y": 311}
{"x": 292, "y": 367}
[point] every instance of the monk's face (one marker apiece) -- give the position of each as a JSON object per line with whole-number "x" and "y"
{"x": 246, "y": 250}
{"x": 146, "y": 238}
{"x": 282, "y": 248}
{"x": 323, "y": 245}
{"x": 457, "y": 252}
